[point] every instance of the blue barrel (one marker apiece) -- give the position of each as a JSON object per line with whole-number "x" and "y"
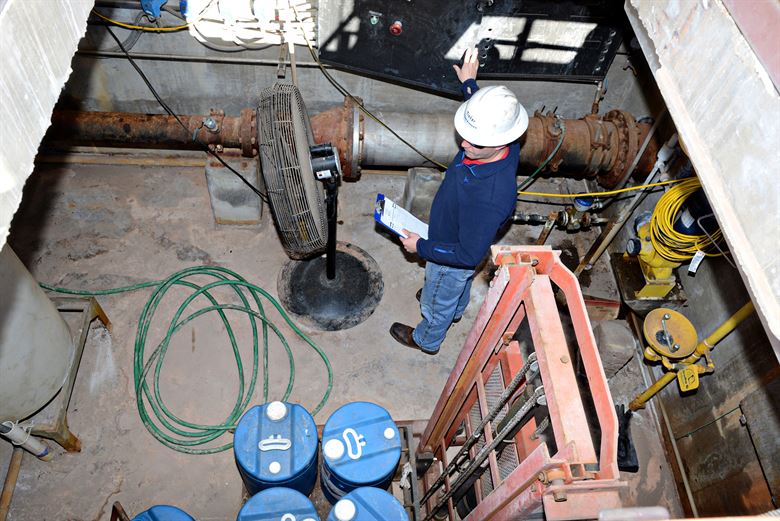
{"x": 163, "y": 513}
{"x": 361, "y": 447}
{"x": 277, "y": 504}
{"x": 275, "y": 445}
{"x": 368, "y": 504}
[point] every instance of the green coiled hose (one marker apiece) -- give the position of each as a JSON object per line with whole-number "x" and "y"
{"x": 169, "y": 429}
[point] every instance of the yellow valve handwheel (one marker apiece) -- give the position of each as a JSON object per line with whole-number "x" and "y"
{"x": 669, "y": 333}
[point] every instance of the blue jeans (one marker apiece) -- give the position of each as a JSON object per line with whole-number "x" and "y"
{"x": 445, "y": 296}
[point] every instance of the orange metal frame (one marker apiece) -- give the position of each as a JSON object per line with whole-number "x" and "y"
{"x": 573, "y": 483}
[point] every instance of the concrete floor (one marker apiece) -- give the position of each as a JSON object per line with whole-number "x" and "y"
{"x": 98, "y": 227}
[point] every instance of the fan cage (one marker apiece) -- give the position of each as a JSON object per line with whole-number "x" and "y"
{"x": 296, "y": 199}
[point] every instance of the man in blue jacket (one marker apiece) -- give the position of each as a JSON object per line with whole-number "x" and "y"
{"x": 475, "y": 199}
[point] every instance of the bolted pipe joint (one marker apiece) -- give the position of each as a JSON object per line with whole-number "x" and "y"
{"x": 593, "y": 146}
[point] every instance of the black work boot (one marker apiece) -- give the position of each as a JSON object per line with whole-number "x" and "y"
{"x": 403, "y": 335}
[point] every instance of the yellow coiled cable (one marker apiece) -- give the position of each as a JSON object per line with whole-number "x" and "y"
{"x": 668, "y": 242}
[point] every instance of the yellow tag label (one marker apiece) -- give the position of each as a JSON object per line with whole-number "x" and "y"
{"x": 688, "y": 379}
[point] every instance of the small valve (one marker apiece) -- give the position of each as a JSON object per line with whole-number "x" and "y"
{"x": 396, "y": 28}
{"x": 210, "y": 124}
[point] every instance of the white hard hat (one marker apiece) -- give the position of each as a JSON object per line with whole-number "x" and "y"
{"x": 491, "y": 118}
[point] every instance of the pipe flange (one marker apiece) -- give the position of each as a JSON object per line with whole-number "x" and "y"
{"x": 600, "y": 143}
{"x": 628, "y": 146}
{"x": 248, "y": 132}
{"x": 355, "y": 132}
{"x": 618, "y": 166}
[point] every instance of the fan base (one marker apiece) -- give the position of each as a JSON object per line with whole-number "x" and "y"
{"x": 332, "y": 305}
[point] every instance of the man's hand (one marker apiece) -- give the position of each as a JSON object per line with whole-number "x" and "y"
{"x": 410, "y": 243}
{"x": 470, "y": 65}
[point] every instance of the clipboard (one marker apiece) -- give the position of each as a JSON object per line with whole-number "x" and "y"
{"x": 395, "y": 218}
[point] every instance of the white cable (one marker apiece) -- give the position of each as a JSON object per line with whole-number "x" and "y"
{"x": 252, "y": 24}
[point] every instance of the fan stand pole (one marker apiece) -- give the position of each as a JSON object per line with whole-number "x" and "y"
{"x": 332, "y": 204}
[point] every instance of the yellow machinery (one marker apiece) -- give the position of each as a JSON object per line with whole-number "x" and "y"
{"x": 665, "y": 239}
{"x": 672, "y": 340}
{"x": 658, "y": 272}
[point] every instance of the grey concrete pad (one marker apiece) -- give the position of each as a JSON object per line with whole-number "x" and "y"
{"x": 96, "y": 227}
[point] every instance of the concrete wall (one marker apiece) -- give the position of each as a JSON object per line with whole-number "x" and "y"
{"x": 726, "y": 114}
{"x": 193, "y": 87}
{"x": 38, "y": 39}
{"x": 232, "y": 82}
{"x": 725, "y": 473}
{"x": 726, "y": 110}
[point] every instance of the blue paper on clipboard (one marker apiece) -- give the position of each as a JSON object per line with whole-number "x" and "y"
{"x": 396, "y": 218}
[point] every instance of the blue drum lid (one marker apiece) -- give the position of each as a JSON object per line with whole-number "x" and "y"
{"x": 368, "y": 504}
{"x": 361, "y": 444}
{"x": 275, "y": 442}
{"x": 163, "y": 513}
{"x": 278, "y": 504}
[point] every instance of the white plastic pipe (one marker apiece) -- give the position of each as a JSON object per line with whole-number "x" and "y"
{"x": 22, "y": 438}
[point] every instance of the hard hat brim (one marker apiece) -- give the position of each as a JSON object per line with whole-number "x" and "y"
{"x": 484, "y": 139}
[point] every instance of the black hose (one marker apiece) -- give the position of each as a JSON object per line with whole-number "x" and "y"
{"x": 134, "y": 36}
{"x": 175, "y": 12}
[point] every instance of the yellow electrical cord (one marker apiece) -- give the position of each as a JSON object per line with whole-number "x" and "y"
{"x": 141, "y": 27}
{"x": 601, "y": 194}
{"x": 668, "y": 242}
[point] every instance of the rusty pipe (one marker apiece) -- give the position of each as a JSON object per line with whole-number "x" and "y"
{"x": 129, "y": 129}
{"x": 594, "y": 146}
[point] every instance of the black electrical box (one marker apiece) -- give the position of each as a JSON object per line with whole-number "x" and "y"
{"x": 416, "y": 42}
